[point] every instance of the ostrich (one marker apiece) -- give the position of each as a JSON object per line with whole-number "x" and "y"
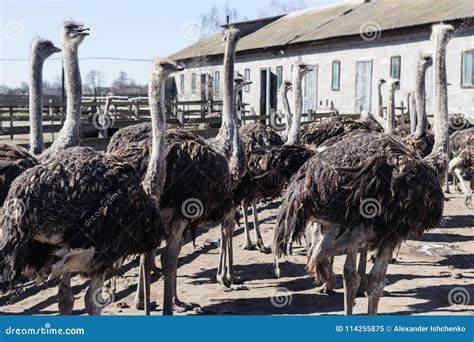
{"x": 201, "y": 177}
{"x": 367, "y": 171}
{"x": 14, "y": 160}
{"x": 268, "y": 178}
{"x": 72, "y": 34}
{"x": 86, "y": 211}
{"x": 285, "y": 87}
{"x": 462, "y": 155}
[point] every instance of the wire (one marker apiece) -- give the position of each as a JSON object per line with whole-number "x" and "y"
{"x": 81, "y": 58}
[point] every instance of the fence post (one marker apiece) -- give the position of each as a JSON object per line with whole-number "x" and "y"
{"x": 180, "y": 117}
{"x": 51, "y": 116}
{"x": 11, "y": 122}
{"x": 310, "y": 115}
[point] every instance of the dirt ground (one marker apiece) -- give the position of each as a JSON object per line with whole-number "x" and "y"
{"x": 420, "y": 282}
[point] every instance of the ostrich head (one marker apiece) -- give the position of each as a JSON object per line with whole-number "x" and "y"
{"x": 426, "y": 60}
{"x": 73, "y": 33}
{"x": 303, "y": 68}
{"x": 240, "y": 83}
{"x": 164, "y": 67}
{"x": 44, "y": 48}
{"x": 287, "y": 86}
{"x": 231, "y": 35}
{"x": 393, "y": 85}
{"x": 381, "y": 82}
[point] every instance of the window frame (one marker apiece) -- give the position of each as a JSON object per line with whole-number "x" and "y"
{"x": 466, "y": 86}
{"x": 247, "y": 87}
{"x": 399, "y": 57}
{"x": 193, "y": 83}
{"x": 279, "y": 74}
{"x": 217, "y": 81}
{"x": 181, "y": 83}
{"x": 338, "y": 88}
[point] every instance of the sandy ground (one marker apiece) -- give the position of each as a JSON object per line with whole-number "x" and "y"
{"x": 418, "y": 283}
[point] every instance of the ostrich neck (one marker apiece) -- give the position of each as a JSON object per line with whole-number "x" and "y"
{"x": 379, "y": 92}
{"x": 155, "y": 174}
{"x": 36, "y": 104}
{"x": 286, "y": 110}
{"x": 224, "y": 138}
{"x": 294, "y": 134}
{"x": 391, "y": 111}
{"x": 422, "y": 120}
{"x": 70, "y": 132}
{"x": 439, "y": 156}
{"x": 238, "y": 161}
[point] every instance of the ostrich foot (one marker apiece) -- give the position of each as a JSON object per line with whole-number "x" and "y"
{"x": 262, "y": 248}
{"x": 250, "y": 246}
{"x": 141, "y": 306}
{"x": 468, "y": 200}
{"x": 325, "y": 289}
{"x": 181, "y": 307}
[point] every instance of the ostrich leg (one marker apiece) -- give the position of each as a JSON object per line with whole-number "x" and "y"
{"x": 231, "y": 277}
{"x": 248, "y": 241}
{"x": 258, "y": 235}
{"x": 375, "y": 280}
{"x": 169, "y": 261}
{"x": 462, "y": 186}
{"x": 351, "y": 280}
{"x": 93, "y": 308}
{"x": 65, "y": 295}
{"x": 327, "y": 287}
{"x": 139, "y": 295}
{"x": 362, "y": 270}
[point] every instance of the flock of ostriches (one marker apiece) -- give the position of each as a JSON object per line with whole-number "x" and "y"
{"x": 74, "y": 210}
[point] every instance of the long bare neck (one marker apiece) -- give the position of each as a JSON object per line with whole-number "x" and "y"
{"x": 439, "y": 156}
{"x": 226, "y": 132}
{"x": 391, "y": 110}
{"x": 294, "y": 134}
{"x": 413, "y": 114}
{"x": 36, "y": 104}
{"x": 286, "y": 109}
{"x": 154, "y": 180}
{"x": 380, "y": 99}
{"x": 70, "y": 133}
{"x": 420, "y": 98}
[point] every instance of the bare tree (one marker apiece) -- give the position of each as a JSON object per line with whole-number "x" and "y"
{"x": 94, "y": 79}
{"x": 278, "y": 7}
{"x": 212, "y": 20}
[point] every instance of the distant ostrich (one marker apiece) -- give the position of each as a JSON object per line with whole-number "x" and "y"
{"x": 462, "y": 156}
{"x": 266, "y": 179}
{"x": 87, "y": 211}
{"x": 367, "y": 171}
{"x": 285, "y": 87}
{"x": 14, "y": 160}
{"x": 200, "y": 180}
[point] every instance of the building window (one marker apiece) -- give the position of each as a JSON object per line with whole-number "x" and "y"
{"x": 395, "y": 67}
{"x": 468, "y": 69}
{"x": 181, "y": 83}
{"x": 247, "y": 78}
{"x": 217, "y": 81}
{"x": 279, "y": 71}
{"x": 193, "y": 83}
{"x": 336, "y": 76}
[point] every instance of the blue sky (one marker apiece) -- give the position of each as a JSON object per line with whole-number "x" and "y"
{"x": 127, "y": 29}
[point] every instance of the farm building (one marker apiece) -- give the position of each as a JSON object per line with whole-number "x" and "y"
{"x": 352, "y": 45}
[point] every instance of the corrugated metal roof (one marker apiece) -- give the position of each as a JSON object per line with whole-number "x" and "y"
{"x": 345, "y": 19}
